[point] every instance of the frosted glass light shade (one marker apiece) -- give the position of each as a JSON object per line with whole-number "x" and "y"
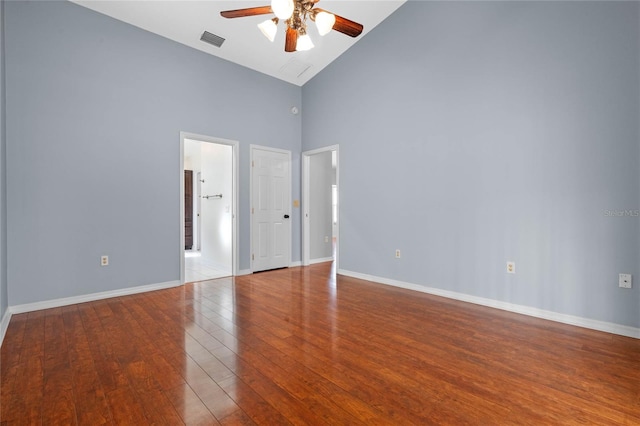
{"x": 304, "y": 43}
{"x": 324, "y": 22}
{"x": 282, "y": 8}
{"x": 269, "y": 29}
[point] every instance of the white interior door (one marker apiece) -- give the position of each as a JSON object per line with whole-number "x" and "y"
{"x": 270, "y": 208}
{"x": 215, "y": 201}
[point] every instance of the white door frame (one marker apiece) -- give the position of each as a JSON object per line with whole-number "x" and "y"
{"x": 234, "y": 196}
{"x": 252, "y": 148}
{"x": 198, "y": 211}
{"x": 306, "y": 179}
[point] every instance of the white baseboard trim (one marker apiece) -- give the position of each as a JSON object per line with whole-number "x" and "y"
{"x": 4, "y": 324}
{"x": 321, "y": 260}
{"x": 296, "y": 263}
{"x": 608, "y": 327}
{"x": 244, "y": 272}
{"x": 56, "y": 303}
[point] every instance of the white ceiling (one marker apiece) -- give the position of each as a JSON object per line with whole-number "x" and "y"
{"x": 185, "y": 21}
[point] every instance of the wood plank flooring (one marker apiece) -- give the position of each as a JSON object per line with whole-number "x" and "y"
{"x": 298, "y": 346}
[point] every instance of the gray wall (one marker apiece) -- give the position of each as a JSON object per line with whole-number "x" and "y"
{"x": 321, "y": 178}
{"x": 473, "y": 133}
{"x": 3, "y": 176}
{"x": 95, "y": 108}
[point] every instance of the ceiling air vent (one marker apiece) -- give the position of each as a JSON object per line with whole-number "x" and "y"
{"x": 212, "y": 39}
{"x": 294, "y": 68}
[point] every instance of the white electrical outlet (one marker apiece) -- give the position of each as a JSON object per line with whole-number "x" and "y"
{"x": 326, "y": 239}
{"x": 104, "y": 260}
{"x": 511, "y": 267}
{"x": 624, "y": 280}
{"x": 398, "y": 254}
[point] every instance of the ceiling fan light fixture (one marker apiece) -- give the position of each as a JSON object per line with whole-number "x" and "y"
{"x": 295, "y": 13}
{"x": 304, "y": 43}
{"x": 269, "y": 28}
{"x": 325, "y": 22}
{"x": 282, "y": 8}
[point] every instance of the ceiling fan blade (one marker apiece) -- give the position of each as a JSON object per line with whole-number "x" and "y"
{"x": 344, "y": 25}
{"x": 251, "y": 11}
{"x": 291, "y": 40}
{"x": 348, "y": 27}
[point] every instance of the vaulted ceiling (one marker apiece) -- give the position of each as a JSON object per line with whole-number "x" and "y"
{"x": 185, "y": 22}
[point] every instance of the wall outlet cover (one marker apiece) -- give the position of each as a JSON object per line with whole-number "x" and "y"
{"x": 625, "y": 281}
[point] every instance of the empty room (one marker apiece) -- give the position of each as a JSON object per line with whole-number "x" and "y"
{"x": 420, "y": 212}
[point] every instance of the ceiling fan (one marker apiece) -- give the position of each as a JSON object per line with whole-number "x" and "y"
{"x": 295, "y": 13}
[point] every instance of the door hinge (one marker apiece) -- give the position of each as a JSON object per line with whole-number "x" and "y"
{"x": 253, "y": 257}
{"x": 252, "y": 163}
{"x": 251, "y": 210}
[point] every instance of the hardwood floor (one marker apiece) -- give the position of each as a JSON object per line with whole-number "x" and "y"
{"x": 297, "y": 346}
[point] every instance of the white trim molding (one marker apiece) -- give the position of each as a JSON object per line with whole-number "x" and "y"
{"x": 321, "y": 260}
{"x": 56, "y": 303}
{"x": 608, "y": 327}
{"x": 4, "y": 325}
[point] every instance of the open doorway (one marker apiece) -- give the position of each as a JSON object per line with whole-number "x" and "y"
{"x": 208, "y": 208}
{"x": 320, "y": 197}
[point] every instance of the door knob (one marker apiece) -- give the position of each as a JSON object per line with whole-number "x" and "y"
{"x": 286, "y": 216}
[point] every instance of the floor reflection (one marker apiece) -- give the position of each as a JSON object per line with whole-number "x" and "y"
{"x": 305, "y": 346}
{"x": 198, "y": 269}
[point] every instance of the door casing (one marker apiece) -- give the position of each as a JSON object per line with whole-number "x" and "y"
{"x": 234, "y": 195}
{"x": 306, "y": 179}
